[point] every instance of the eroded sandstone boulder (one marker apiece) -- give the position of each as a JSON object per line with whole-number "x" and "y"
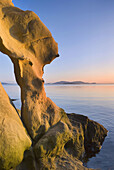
{"x": 51, "y": 152}
{"x": 94, "y": 133}
{"x": 59, "y": 141}
{"x": 29, "y": 161}
{"x": 66, "y": 143}
{"x": 13, "y": 137}
{"x": 30, "y": 46}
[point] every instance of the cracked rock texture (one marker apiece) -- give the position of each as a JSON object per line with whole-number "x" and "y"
{"x": 59, "y": 141}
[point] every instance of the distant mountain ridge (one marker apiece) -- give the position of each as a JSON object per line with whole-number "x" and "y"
{"x": 56, "y": 83}
{"x": 71, "y": 82}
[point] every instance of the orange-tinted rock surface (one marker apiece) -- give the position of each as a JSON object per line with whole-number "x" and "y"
{"x": 58, "y": 141}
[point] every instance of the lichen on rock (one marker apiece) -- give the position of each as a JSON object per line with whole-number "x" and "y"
{"x": 13, "y": 137}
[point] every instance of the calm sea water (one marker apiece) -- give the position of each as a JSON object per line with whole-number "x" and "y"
{"x": 94, "y": 101}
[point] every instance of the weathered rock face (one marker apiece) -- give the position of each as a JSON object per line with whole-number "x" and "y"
{"x": 94, "y": 133}
{"x": 30, "y": 45}
{"x": 13, "y": 137}
{"x": 6, "y": 2}
{"x": 52, "y": 147}
{"x": 58, "y": 141}
{"x": 51, "y": 153}
{"x": 68, "y": 142}
{"x": 64, "y": 145}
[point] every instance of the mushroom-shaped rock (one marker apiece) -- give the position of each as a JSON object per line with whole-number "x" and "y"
{"x": 58, "y": 140}
{"x": 30, "y": 46}
{"x": 13, "y": 137}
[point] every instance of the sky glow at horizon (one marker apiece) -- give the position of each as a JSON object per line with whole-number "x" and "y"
{"x": 84, "y": 31}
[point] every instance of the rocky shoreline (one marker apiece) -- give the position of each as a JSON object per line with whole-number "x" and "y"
{"x": 64, "y": 146}
{"x": 42, "y": 135}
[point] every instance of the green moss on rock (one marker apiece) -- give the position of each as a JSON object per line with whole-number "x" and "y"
{"x": 13, "y": 137}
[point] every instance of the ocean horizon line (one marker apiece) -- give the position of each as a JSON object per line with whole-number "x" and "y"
{"x": 14, "y": 83}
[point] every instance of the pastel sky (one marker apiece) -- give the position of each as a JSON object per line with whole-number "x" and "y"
{"x": 84, "y": 30}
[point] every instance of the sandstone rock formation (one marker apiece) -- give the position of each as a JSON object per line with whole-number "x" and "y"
{"x": 94, "y": 133}
{"x": 13, "y": 137}
{"x": 59, "y": 140}
{"x": 30, "y": 45}
{"x": 65, "y": 144}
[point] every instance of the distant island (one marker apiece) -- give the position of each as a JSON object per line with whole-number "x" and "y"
{"x": 69, "y": 82}
{"x": 4, "y": 83}
{"x": 55, "y": 83}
